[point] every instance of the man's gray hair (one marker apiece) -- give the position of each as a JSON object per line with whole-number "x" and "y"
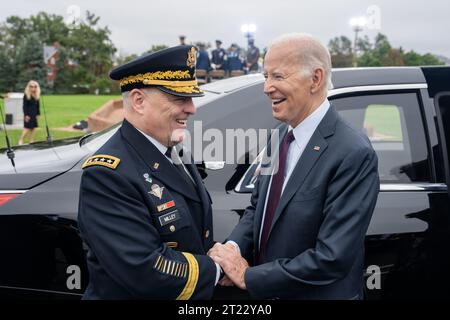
{"x": 312, "y": 53}
{"x": 126, "y": 96}
{"x": 126, "y": 99}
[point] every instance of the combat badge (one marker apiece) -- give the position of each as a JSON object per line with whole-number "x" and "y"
{"x": 157, "y": 191}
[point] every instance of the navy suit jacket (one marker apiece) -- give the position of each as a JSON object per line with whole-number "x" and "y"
{"x": 315, "y": 248}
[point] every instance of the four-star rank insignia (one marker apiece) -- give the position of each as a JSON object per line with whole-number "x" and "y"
{"x": 101, "y": 160}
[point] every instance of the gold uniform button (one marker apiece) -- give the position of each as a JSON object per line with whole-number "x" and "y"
{"x": 172, "y": 228}
{"x": 207, "y": 234}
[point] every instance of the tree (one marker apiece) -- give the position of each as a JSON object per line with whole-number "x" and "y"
{"x": 92, "y": 50}
{"x": 122, "y": 59}
{"x": 30, "y": 62}
{"x": 7, "y": 71}
{"x": 157, "y": 47}
{"x": 381, "y": 45}
{"x": 88, "y": 46}
{"x": 363, "y": 44}
{"x": 413, "y": 58}
{"x": 341, "y": 52}
{"x": 381, "y": 53}
{"x": 376, "y": 54}
{"x": 394, "y": 57}
{"x": 14, "y": 30}
{"x": 64, "y": 72}
{"x": 50, "y": 28}
{"x": 428, "y": 60}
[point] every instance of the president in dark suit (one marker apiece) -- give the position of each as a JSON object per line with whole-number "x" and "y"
{"x": 303, "y": 233}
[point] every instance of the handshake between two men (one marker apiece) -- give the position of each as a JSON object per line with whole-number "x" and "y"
{"x": 304, "y": 230}
{"x": 232, "y": 263}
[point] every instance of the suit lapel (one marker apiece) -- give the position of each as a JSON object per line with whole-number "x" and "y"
{"x": 316, "y": 146}
{"x": 259, "y": 211}
{"x": 304, "y": 165}
{"x": 268, "y": 164}
{"x": 160, "y": 166}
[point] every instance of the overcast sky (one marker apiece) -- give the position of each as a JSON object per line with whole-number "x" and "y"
{"x": 135, "y": 25}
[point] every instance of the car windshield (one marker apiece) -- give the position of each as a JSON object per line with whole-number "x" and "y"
{"x": 93, "y": 141}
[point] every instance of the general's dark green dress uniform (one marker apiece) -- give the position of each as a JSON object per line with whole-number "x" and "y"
{"x": 147, "y": 228}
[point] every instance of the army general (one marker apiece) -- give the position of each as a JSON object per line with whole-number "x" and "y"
{"x": 144, "y": 215}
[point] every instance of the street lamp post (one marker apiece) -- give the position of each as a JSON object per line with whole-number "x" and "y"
{"x": 248, "y": 30}
{"x": 358, "y": 25}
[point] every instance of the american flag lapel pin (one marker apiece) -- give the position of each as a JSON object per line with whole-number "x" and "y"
{"x": 316, "y": 148}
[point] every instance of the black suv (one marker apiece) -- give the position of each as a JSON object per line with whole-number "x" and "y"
{"x": 404, "y": 111}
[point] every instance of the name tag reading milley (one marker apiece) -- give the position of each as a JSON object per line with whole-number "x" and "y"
{"x": 169, "y": 217}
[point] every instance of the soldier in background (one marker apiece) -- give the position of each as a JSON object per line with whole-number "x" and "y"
{"x": 219, "y": 56}
{"x": 234, "y": 61}
{"x": 203, "y": 62}
{"x": 252, "y": 57}
{"x": 182, "y": 40}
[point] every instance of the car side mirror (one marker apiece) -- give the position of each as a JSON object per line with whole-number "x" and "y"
{"x": 248, "y": 180}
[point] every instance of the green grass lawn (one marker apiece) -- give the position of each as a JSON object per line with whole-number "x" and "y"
{"x": 62, "y": 111}
{"x": 385, "y": 119}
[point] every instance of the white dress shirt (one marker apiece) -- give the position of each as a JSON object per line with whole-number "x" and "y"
{"x": 302, "y": 133}
{"x": 162, "y": 148}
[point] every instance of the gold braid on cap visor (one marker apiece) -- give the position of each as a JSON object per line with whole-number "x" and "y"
{"x": 185, "y": 89}
{"x": 160, "y": 78}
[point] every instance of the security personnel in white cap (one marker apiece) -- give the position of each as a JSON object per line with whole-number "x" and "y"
{"x": 145, "y": 217}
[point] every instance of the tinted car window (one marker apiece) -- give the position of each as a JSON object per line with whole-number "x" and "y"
{"x": 394, "y": 125}
{"x": 443, "y": 108}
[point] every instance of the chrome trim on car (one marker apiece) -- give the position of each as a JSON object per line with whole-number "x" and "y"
{"x": 214, "y": 165}
{"x": 42, "y": 290}
{"x": 414, "y": 187}
{"x": 389, "y": 187}
{"x": 334, "y": 92}
{"x": 12, "y": 191}
{"x": 239, "y": 184}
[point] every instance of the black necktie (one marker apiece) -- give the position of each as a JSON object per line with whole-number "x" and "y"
{"x": 168, "y": 152}
{"x": 180, "y": 167}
